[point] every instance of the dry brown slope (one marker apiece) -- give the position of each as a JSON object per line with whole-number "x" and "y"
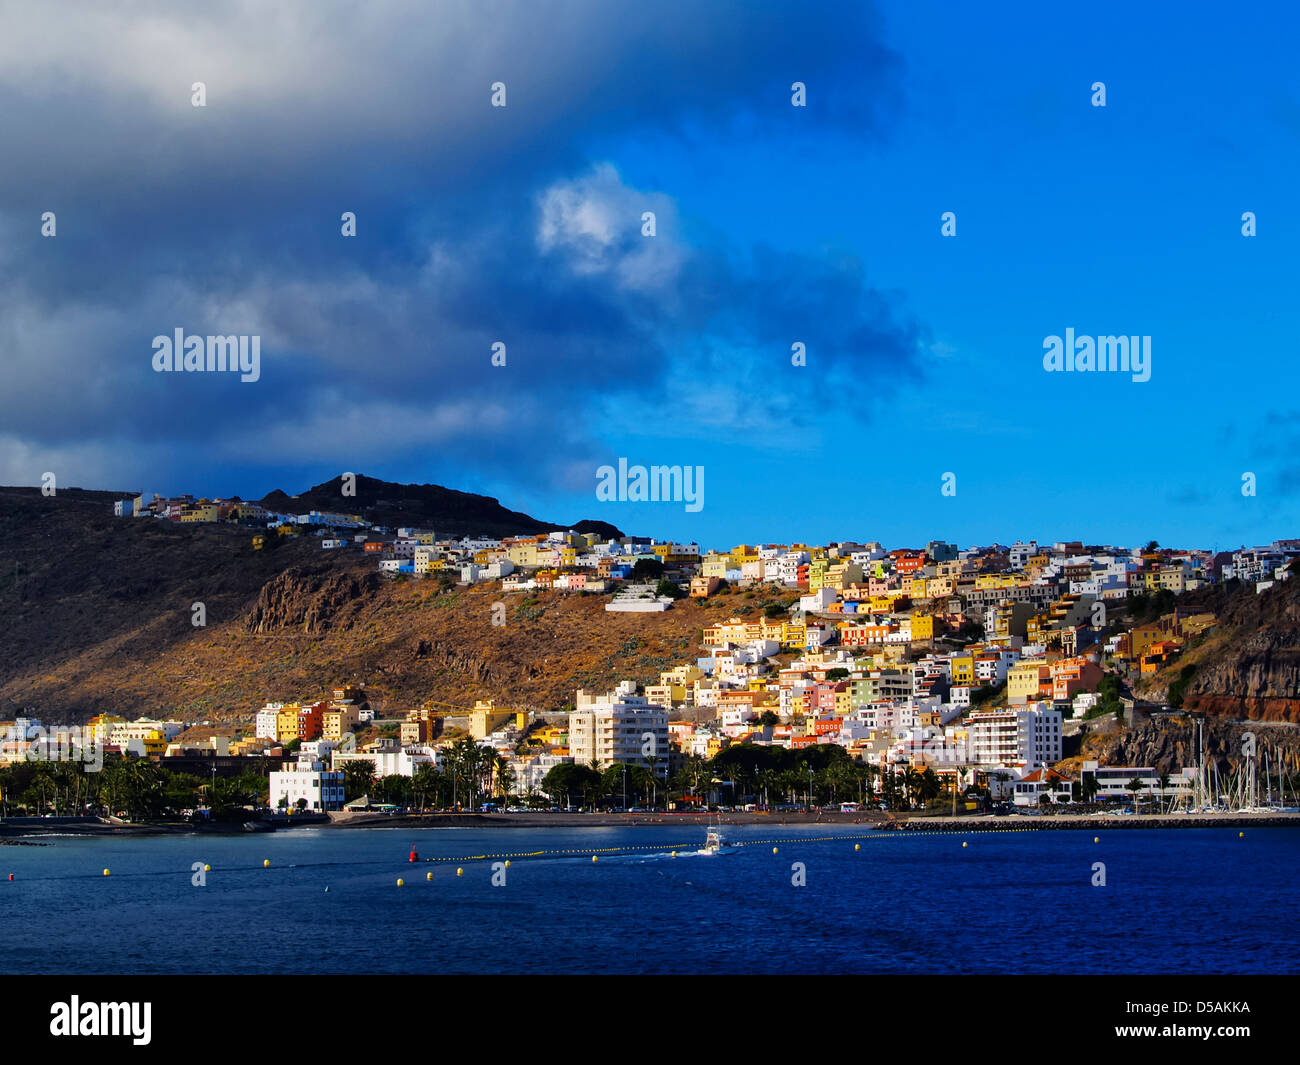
{"x": 323, "y": 623}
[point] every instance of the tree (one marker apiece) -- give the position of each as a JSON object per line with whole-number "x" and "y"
{"x": 929, "y": 786}
{"x": 669, "y": 589}
{"x": 695, "y": 771}
{"x": 1088, "y": 788}
{"x": 647, "y": 569}
{"x": 1135, "y": 786}
{"x": 358, "y": 778}
{"x": 425, "y": 783}
{"x": 638, "y": 780}
{"x": 567, "y": 780}
{"x": 503, "y": 776}
{"x": 767, "y": 719}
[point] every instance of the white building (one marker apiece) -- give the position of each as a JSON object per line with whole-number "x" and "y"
{"x": 309, "y": 781}
{"x": 267, "y": 721}
{"x": 619, "y": 726}
{"x": 398, "y": 762}
{"x": 1020, "y": 736}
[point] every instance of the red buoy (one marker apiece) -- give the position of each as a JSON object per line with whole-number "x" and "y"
{"x": 414, "y": 857}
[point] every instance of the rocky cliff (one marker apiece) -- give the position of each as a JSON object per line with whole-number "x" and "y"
{"x": 1249, "y": 666}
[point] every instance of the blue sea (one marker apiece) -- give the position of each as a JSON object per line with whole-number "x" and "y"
{"x": 1195, "y": 901}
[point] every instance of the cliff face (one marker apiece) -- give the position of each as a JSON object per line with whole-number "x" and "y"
{"x": 1250, "y": 665}
{"x": 1169, "y": 743}
{"x": 312, "y": 599}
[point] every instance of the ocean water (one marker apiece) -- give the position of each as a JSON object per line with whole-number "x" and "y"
{"x": 1194, "y": 901}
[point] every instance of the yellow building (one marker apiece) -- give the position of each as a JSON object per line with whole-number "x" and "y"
{"x": 922, "y": 628}
{"x": 485, "y": 718}
{"x": 100, "y": 727}
{"x": 286, "y": 723}
{"x": 963, "y": 670}
{"x": 1025, "y": 679}
{"x": 199, "y": 512}
{"x": 335, "y": 723}
{"x": 684, "y": 675}
{"x": 715, "y": 565}
{"x": 665, "y": 695}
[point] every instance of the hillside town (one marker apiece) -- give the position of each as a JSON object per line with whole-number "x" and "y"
{"x": 890, "y": 678}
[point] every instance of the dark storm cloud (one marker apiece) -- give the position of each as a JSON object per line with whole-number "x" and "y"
{"x": 475, "y": 224}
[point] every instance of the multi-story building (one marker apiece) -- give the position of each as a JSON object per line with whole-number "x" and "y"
{"x": 1029, "y": 737}
{"x": 620, "y": 726}
{"x": 335, "y": 722}
{"x": 306, "y": 782}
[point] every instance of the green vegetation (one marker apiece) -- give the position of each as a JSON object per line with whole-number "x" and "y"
{"x": 136, "y": 788}
{"x": 647, "y": 569}
{"x": 1146, "y": 607}
{"x": 1109, "y": 690}
{"x": 1179, "y": 687}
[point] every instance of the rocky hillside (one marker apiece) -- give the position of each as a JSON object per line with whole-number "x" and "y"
{"x": 1249, "y": 665}
{"x": 99, "y": 618}
{"x": 1169, "y": 742}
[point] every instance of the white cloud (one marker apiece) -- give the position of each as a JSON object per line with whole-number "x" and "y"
{"x": 595, "y": 224}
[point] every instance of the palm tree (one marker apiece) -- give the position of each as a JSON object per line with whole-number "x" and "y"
{"x": 1088, "y": 788}
{"x": 911, "y": 784}
{"x": 652, "y": 761}
{"x": 1134, "y": 787}
{"x": 505, "y": 776}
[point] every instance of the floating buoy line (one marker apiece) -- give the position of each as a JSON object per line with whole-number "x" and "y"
{"x": 675, "y": 849}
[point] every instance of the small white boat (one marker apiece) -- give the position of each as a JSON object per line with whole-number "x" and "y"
{"x": 714, "y": 843}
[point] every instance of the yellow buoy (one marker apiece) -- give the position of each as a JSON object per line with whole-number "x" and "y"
{"x": 507, "y": 863}
{"x": 460, "y": 872}
{"x": 963, "y": 843}
{"x": 428, "y": 876}
{"x": 674, "y": 854}
{"x": 207, "y": 868}
{"x": 857, "y": 846}
{"x": 106, "y": 872}
{"x": 1096, "y": 839}
{"x": 1240, "y": 835}
{"x": 773, "y": 850}
{"x": 400, "y": 881}
{"x": 266, "y": 864}
{"x": 593, "y": 857}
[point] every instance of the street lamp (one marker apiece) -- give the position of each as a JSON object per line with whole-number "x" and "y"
{"x": 810, "y": 776}
{"x": 625, "y": 787}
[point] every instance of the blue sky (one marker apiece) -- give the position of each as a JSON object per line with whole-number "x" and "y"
{"x": 775, "y": 224}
